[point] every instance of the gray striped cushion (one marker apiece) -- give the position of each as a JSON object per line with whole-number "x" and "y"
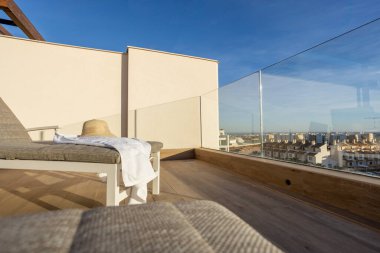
{"x": 16, "y": 150}
{"x": 43, "y": 232}
{"x": 196, "y": 226}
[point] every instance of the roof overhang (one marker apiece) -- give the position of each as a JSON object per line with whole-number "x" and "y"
{"x": 18, "y": 19}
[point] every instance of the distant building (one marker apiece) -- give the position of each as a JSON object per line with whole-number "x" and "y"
{"x": 226, "y": 141}
{"x": 359, "y": 152}
{"x": 298, "y": 151}
{"x": 300, "y": 137}
{"x": 320, "y": 138}
{"x": 341, "y": 137}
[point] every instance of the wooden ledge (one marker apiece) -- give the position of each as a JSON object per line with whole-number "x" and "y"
{"x": 350, "y": 195}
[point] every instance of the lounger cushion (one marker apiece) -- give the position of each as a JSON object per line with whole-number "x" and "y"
{"x": 196, "y": 226}
{"x": 57, "y": 152}
{"x": 45, "y": 232}
{"x": 10, "y": 127}
{"x": 12, "y": 150}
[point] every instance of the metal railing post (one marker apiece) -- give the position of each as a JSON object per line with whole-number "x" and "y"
{"x": 261, "y": 114}
{"x": 200, "y": 120}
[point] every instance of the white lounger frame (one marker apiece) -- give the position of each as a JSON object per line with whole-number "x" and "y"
{"x": 114, "y": 196}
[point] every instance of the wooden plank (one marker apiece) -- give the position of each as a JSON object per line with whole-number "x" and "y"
{"x": 16, "y": 14}
{"x": 4, "y": 31}
{"x": 28, "y": 192}
{"x": 293, "y": 225}
{"x": 353, "y": 196}
{"x": 3, "y": 4}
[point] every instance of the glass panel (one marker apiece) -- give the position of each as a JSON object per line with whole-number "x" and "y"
{"x": 239, "y": 118}
{"x": 176, "y": 124}
{"x": 322, "y": 107}
{"x": 210, "y": 119}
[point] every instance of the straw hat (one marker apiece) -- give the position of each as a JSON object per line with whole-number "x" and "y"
{"x": 96, "y": 127}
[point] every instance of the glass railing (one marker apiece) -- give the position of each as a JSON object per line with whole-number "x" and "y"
{"x": 239, "y": 116}
{"x": 320, "y": 107}
{"x": 177, "y": 124}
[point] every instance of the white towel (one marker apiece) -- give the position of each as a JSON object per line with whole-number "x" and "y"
{"x": 134, "y": 153}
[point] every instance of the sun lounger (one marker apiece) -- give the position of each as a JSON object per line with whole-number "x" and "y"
{"x": 17, "y": 151}
{"x": 192, "y": 226}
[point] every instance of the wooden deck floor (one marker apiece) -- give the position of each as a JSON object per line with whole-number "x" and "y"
{"x": 293, "y": 225}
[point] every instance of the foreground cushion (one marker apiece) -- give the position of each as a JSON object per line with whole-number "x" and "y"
{"x": 196, "y": 226}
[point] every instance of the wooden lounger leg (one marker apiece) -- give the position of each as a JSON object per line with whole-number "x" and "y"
{"x": 156, "y": 167}
{"x": 112, "y": 187}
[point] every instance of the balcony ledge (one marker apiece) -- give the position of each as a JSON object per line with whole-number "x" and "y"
{"x": 352, "y": 196}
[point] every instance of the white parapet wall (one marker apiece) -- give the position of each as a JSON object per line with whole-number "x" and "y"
{"x": 141, "y": 93}
{"x": 51, "y": 84}
{"x": 164, "y": 98}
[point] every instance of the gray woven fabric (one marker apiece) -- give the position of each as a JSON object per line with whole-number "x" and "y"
{"x": 10, "y": 127}
{"x": 197, "y": 226}
{"x": 224, "y": 231}
{"x": 11, "y": 150}
{"x": 46, "y": 232}
{"x": 157, "y": 227}
{"x": 57, "y": 152}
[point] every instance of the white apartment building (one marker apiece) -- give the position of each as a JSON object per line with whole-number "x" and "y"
{"x": 356, "y": 156}
{"x": 298, "y": 151}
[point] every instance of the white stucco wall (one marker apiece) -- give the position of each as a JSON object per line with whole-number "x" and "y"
{"x": 51, "y": 84}
{"x": 164, "y": 91}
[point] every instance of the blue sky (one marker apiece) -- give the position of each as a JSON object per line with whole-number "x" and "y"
{"x": 243, "y": 35}
{"x": 334, "y": 86}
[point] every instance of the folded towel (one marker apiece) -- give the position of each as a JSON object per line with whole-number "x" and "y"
{"x": 134, "y": 153}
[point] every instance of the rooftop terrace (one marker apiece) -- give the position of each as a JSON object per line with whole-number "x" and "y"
{"x": 291, "y": 224}
{"x": 267, "y": 146}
